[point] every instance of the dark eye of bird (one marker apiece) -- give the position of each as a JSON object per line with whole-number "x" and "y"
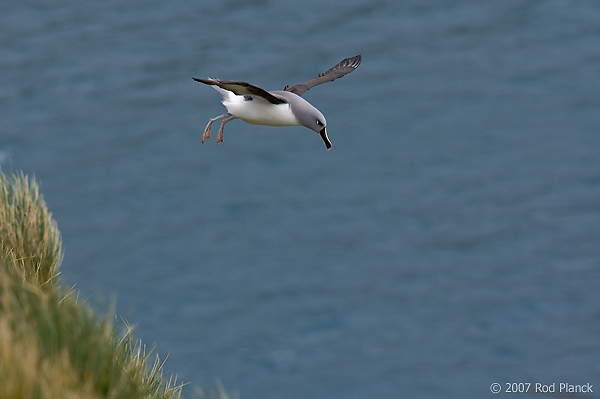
{"x": 319, "y": 123}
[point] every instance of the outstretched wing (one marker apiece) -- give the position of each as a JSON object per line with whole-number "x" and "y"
{"x": 242, "y": 88}
{"x": 343, "y": 68}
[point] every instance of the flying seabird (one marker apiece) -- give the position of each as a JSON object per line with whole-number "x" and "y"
{"x": 256, "y": 106}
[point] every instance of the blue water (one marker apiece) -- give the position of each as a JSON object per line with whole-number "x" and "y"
{"x": 449, "y": 240}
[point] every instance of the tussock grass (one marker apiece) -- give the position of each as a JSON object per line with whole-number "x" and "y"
{"x": 28, "y": 233}
{"x": 51, "y": 344}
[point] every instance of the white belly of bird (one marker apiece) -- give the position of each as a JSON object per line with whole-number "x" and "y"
{"x": 260, "y": 112}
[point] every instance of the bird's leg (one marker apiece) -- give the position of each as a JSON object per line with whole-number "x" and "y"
{"x": 220, "y": 135}
{"x": 206, "y": 134}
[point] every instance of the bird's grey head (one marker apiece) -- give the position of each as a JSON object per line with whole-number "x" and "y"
{"x": 308, "y": 115}
{"x": 313, "y": 119}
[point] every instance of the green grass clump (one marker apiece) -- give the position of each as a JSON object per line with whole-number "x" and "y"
{"x": 27, "y": 231}
{"x": 52, "y": 345}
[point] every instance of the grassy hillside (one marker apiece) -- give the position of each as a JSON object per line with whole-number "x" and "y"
{"x": 52, "y": 345}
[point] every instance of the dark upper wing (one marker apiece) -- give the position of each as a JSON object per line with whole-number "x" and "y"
{"x": 241, "y": 88}
{"x": 345, "y": 67}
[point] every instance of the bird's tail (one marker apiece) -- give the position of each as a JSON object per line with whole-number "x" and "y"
{"x": 212, "y": 82}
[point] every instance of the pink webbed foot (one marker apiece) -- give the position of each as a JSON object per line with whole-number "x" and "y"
{"x": 206, "y": 134}
{"x": 220, "y": 135}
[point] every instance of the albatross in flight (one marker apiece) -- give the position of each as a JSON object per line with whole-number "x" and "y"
{"x": 257, "y": 106}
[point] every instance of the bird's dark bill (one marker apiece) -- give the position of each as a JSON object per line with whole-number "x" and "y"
{"x": 323, "y": 134}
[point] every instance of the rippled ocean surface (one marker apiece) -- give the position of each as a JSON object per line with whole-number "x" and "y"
{"x": 449, "y": 240}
